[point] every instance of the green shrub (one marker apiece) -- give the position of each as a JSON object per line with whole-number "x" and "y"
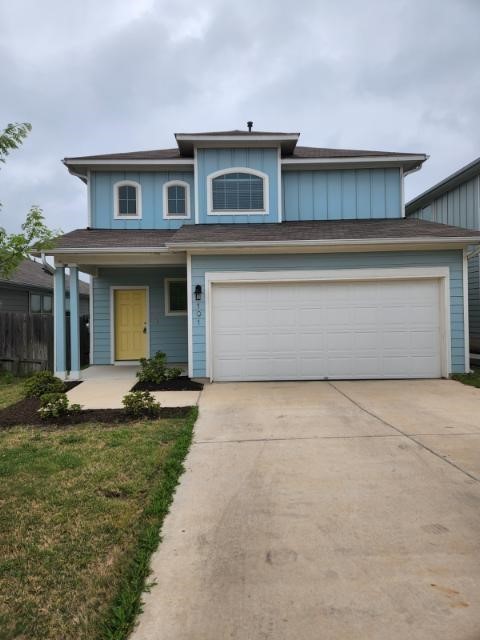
{"x": 6, "y": 377}
{"x": 56, "y": 405}
{"x": 155, "y": 369}
{"x": 41, "y": 383}
{"x": 140, "y": 403}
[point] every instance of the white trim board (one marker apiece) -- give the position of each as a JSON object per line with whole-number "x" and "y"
{"x": 334, "y": 275}
{"x": 190, "y": 315}
{"x": 112, "y": 321}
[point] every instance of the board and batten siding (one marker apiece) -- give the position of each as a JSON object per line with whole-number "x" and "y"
{"x": 151, "y": 183}
{"x": 211, "y": 160}
{"x": 167, "y": 333}
{"x": 451, "y": 259}
{"x": 344, "y": 194}
{"x": 460, "y": 207}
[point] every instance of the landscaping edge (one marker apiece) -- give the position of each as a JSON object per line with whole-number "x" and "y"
{"x": 120, "y": 618}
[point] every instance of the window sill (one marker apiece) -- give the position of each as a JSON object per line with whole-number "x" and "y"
{"x": 238, "y": 212}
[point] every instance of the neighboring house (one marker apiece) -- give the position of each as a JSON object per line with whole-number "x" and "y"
{"x": 29, "y": 289}
{"x": 456, "y": 201}
{"x": 249, "y": 257}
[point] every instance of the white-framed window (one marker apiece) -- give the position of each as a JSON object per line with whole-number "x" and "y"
{"x": 175, "y": 296}
{"x": 237, "y": 191}
{"x": 40, "y": 303}
{"x": 127, "y": 198}
{"x": 176, "y": 200}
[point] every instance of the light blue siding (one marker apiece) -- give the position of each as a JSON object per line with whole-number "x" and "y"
{"x": 211, "y": 160}
{"x": 452, "y": 259}
{"x": 167, "y": 333}
{"x": 151, "y": 183}
{"x": 342, "y": 194}
{"x": 459, "y": 207}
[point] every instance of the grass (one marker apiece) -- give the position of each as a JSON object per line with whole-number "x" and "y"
{"x": 80, "y": 513}
{"x": 473, "y": 379}
{"x": 11, "y": 389}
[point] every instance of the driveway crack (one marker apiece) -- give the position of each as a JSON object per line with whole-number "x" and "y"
{"x": 406, "y": 435}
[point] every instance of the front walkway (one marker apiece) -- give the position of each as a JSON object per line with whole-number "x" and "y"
{"x": 324, "y": 510}
{"x": 104, "y": 386}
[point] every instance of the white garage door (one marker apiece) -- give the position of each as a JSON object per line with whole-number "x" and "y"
{"x": 312, "y": 330}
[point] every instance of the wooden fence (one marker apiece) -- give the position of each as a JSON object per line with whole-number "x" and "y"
{"x": 26, "y": 342}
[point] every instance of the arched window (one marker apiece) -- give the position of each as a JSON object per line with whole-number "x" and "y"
{"x": 128, "y": 199}
{"x": 238, "y": 190}
{"x": 176, "y": 199}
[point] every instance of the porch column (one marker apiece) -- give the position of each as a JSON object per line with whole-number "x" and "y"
{"x": 74, "y": 325}
{"x": 59, "y": 335}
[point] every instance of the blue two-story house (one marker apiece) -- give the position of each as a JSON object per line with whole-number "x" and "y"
{"x": 248, "y": 257}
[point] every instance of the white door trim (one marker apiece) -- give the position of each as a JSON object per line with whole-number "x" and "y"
{"x": 334, "y": 275}
{"x": 112, "y": 322}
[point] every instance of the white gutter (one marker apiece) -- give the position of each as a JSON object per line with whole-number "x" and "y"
{"x": 106, "y": 161}
{"x": 320, "y": 243}
{"x": 109, "y": 250}
{"x": 355, "y": 160}
{"x": 246, "y": 136}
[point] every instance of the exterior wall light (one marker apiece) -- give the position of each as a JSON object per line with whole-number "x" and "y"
{"x": 198, "y": 292}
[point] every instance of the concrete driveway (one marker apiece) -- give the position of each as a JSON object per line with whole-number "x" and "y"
{"x": 324, "y": 511}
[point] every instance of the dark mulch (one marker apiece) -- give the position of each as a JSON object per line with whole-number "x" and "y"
{"x": 71, "y": 384}
{"x": 182, "y": 383}
{"x": 25, "y": 412}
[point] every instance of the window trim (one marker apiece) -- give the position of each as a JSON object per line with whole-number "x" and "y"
{"x": 176, "y": 183}
{"x": 127, "y": 183}
{"x": 238, "y": 212}
{"x": 166, "y": 284}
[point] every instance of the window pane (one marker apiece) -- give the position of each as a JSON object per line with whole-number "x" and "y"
{"x": 127, "y": 200}
{"x": 176, "y": 200}
{"x": 237, "y": 191}
{"x": 35, "y": 302}
{"x": 178, "y": 295}
{"x": 47, "y": 304}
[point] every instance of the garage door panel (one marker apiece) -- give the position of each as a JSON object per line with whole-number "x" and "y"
{"x": 383, "y": 329}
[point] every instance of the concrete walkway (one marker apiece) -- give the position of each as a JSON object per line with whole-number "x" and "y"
{"x": 104, "y": 386}
{"x": 324, "y": 511}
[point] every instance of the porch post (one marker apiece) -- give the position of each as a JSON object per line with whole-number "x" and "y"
{"x": 59, "y": 335}
{"x": 74, "y": 325}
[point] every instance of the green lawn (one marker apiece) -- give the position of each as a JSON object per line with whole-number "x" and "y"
{"x": 11, "y": 390}
{"x": 80, "y": 514}
{"x": 473, "y": 379}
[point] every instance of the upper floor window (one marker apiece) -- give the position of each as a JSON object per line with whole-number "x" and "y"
{"x": 238, "y": 191}
{"x": 176, "y": 199}
{"x": 127, "y": 199}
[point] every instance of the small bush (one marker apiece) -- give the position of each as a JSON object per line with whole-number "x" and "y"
{"x": 141, "y": 403}
{"x": 155, "y": 369}
{"x": 56, "y": 405}
{"x": 41, "y": 383}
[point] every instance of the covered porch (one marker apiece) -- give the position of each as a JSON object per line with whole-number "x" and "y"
{"x": 138, "y": 306}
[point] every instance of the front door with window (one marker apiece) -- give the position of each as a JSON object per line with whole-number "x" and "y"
{"x": 130, "y": 309}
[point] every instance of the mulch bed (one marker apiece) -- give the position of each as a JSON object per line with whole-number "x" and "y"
{"x": 24, "y": 412}
{"x": 182, "y": 383}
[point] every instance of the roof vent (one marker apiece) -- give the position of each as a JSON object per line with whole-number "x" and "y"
{"x": 249, "y": 125}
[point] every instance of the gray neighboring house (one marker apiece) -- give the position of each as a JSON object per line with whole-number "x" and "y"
{"x": 456, "y": 201}
{"x": 29, "y": 289}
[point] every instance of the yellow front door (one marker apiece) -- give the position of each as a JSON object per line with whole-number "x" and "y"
{"x": 130, "y": 309}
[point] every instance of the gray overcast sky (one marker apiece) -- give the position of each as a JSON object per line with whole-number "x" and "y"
{"x": 100, "y": 76}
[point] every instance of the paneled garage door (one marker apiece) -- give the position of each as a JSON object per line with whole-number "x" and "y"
{"x": 312, "y": 330}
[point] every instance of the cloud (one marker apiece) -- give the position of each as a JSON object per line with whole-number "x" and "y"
{"x": 114, "y": 75}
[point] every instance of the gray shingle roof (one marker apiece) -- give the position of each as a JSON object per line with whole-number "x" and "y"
{"x": 32, "y": 274}
{"x": 190, "y": 234}
{"x": 300, "y": 152}
{"x": 114, "y": 238}
{"x": 317, "y": 230}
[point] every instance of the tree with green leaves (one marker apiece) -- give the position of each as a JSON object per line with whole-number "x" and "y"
{"x": 34, "y": 234}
